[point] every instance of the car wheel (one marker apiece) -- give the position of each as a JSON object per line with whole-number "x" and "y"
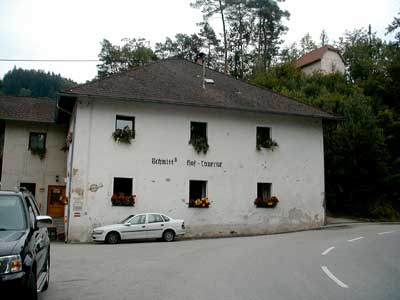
{"x": 31, "y": 288}
{"x": 168, "y": 236}
{"x": 47, "y": 270}
{"x": 112, "y": 238}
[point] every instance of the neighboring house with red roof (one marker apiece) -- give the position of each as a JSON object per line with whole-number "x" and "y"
{"x": 326, "y": 59}
{"x": 32, "y": 155}
{"x": 232, "y": 124}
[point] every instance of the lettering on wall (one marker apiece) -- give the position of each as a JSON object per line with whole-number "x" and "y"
{"x": 202, "y": 163}
{"x": 164, "y": 161}
{"x": 189, "y": 163}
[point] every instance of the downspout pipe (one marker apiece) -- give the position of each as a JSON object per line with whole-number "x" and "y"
{"x": 69, "y": 167}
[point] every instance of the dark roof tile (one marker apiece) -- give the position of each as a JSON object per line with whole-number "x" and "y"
{"x": 27, "y": 109}
{"x": 178, "y": 81}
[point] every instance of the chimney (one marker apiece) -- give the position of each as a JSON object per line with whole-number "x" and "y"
{"x": 200, "y": 58}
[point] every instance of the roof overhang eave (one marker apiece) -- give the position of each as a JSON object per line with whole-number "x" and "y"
{"x": 191, "y": 104}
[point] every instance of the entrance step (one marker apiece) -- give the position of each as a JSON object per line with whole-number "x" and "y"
{"x": 58, "y": 224}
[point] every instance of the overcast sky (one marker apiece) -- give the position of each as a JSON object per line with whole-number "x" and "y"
{"x": 73, "y": 29}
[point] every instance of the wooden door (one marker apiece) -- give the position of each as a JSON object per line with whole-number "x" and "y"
{"x": 56, "y": 200}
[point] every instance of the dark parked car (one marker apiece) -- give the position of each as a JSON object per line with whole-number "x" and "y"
{"x": 24, "y": 246}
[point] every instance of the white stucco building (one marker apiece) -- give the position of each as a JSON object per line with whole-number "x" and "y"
{"x": 166, "y": 106}
{"x": 29, "y": 125}
{"x": 326, "y": 60}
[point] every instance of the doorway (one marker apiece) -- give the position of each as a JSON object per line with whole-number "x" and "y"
{"x": 56, "y": 201}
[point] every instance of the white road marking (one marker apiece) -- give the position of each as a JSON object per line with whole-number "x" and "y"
{"x": 331, "y": 276}
{"x": 356, "y": 239}
{"x": 386, "y": 232}
{"x": 328, "y": 250}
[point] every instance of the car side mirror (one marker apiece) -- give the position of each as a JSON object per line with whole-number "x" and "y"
{"x": 44, "y": 221}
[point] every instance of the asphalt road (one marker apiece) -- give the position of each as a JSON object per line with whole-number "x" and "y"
{"x": 364, "y": 263}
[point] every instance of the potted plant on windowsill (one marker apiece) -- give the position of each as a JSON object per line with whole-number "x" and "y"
{"x": 200, "y": 203}
{"x": 121, "y": 200}
{"x": 124, "y": 135}
{"x": 266, "y": 203}
{"x": 200, "y": 144}
{"x": 41, "y": 152}
{"x": 267, "y": 143}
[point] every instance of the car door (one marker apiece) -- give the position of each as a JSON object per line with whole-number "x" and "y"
{"x": 155, "y": 226}
{"x": 135, "y": 228}
{"x": 40, "y": 236}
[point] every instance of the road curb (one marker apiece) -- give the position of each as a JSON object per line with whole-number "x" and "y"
{"x": 345, "y": 224}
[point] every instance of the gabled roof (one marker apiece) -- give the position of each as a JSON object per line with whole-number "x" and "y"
{"x": 27, "y": 109}
{"x": 315, "y": 55}
{"x": 178, "y": 81}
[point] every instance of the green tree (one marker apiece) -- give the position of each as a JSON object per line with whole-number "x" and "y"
{"x": 324, "y": 38}
{"x": 184, "y": 46}
{"x": 240, "y": 24}
{"x": 211, "y": 46}
{"x": 307, "y": 44}
{"x": 114, "y": 58}
{"x": 269, "y": 30}
{"x": 394, "y": 26}
{"x": 209, "y": 8}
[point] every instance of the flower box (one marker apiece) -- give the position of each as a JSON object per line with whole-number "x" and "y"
{"x": 124, "y": 135}
{"x": 266, "y": 203}
{"x": 122, "y": 200}
{"x": 200, "y": 203}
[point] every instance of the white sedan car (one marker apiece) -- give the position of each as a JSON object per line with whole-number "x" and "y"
{"x": 141, "y": 226}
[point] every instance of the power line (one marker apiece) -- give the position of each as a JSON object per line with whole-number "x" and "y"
{"x": 49, "y": 60}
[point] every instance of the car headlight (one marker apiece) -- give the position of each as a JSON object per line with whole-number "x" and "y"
{"x": 10, "y": 264}
{"x": 98, "y": 231}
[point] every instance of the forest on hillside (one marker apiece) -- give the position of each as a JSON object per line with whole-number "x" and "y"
{"x": 33, "y": 83}
{"x": 362, "y": 151}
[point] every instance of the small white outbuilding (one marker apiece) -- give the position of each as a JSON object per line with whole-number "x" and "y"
{"x": 326, "y": 60}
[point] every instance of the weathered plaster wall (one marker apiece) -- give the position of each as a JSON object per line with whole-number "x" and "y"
{"x": 331, "y": 63}
{"x": 19, "y": 165}
{"x": 315, "y": 67}
{"x": 295, "y": 169}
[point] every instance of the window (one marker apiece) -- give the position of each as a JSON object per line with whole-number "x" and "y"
{"x": 166, "y": 219}
{"x": 31, "y": 187}
{"x": 122, "y": 185}
{"x": 139, "y": 219}
{"x": 198, "y": 136}
{"x": 123, "y": 121}
{"x": 124, "y": 129}
{"x": 263, "y": 133}
{"x": 264, "y": 140}
{"x": 264, "y": 191}
{"x": 37, "y": 141}
{"x": 12, "y": 213}
{"x": 198, "y": 130}
{"x": 197, "y": 190}
{"x": 155, "y": 218}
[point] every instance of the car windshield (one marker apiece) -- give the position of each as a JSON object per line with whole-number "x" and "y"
{"x": 124, "y": 220}
{"x": 12, "y": 213}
